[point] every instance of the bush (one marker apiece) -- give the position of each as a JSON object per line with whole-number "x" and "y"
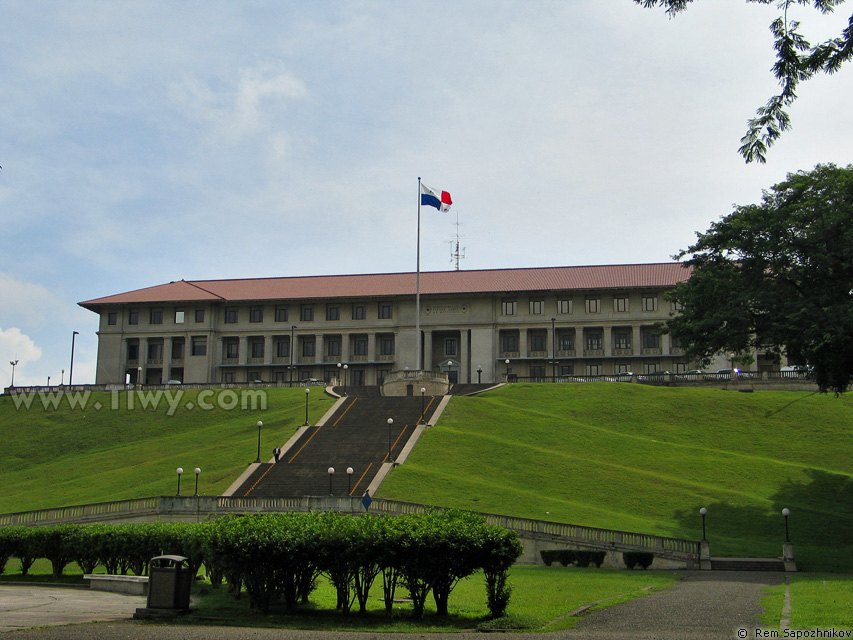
{"x": 634, "y": 558}
{"x": 568, "y": 557}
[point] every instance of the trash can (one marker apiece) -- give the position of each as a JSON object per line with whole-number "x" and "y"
{"x": 169, "y": 581}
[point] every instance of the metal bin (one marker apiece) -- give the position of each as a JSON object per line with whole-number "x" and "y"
{"x": 169, "y": 581}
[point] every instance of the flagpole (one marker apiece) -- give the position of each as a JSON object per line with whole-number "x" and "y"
{"x": 418, "y": 287}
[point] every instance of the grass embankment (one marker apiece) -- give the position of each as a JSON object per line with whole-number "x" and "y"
{"x": 639, "y": 458}
{"x": 612, "y": 455}
{"x": 56, "y": 455}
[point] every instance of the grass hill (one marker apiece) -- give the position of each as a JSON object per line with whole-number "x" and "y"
{"x": 619, "y": 456}
{"x": 67, "y": 450}
{"x": 641, "y": 458}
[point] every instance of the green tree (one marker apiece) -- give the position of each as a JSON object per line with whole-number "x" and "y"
{"x": 777, "y": 277}
{"x": 796, "y": 60}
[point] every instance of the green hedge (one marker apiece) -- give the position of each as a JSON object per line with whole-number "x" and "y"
{"x": 568, "y": 557}
{"x": 278, "y": 557}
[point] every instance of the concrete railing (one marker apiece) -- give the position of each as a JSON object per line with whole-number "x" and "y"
{"x": 198, "y": 508}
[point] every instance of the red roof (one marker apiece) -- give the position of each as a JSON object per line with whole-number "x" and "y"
{"x": 393, "y": 284}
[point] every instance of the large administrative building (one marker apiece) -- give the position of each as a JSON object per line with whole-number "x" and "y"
{"x": 474, "y": 325}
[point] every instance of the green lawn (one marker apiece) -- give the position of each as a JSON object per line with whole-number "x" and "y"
{"x": 613, "y": 455}
{"x": 63, "y": 456}
{"x": 817, "y": 602}
{"x": 567, "y": 589}
{"x": 640, "y": 458}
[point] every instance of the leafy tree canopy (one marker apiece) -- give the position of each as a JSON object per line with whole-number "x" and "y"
{"x": 796, "y": 60}
{"x": 777, "y": 277}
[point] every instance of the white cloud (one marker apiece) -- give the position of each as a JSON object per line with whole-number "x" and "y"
{"x": 19, "y": 348}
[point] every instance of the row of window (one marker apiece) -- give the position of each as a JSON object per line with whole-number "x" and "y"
{"x": 595, "y": 369}
{"x": 281, "y": 347}
{"x": 593, "y": 341}
{"x": 385, "y": 311}
{"x": 509, "y": 306}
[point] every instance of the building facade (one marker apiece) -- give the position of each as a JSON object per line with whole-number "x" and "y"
{"x": 475, "y": 325}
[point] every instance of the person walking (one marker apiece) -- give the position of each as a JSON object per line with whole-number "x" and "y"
{"x": 276, "y": 453}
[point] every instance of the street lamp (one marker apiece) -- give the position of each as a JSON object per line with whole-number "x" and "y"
{"x": 786, "y": 512}
{"x": 180, "y": 472}
{"x": 331, "y": 471}
{"x": 71, "y": 370}
{"x": 349, "y": 480}
{"x": 703, "y": 512}
{"x": 423, "y": 401}
{"x": 48, "y": 382}
{"x": 307, "y": 392}
{"x": 479, "y": 374}
{"x": 506, "y": 362}
{"x": 139, "y": 375}
{"x": 346, "y": 366}
{"x": 390, "y": 421}
{"x": 14, "y": 364}
{"x": 260, "y": 424}
{"x": 292, "y": 347}
{"x": 196, "y": 471}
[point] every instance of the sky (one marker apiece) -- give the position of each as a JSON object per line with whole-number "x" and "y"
{"x": 145, "y": 142}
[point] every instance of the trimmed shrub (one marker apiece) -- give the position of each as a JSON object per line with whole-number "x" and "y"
{"x": 643, "y": 559}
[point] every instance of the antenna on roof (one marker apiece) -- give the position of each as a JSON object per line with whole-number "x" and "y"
{"x": 457, "y": 254}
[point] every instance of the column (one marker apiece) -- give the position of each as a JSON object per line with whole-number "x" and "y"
{"x": 464, "y": 369}
{"x": 427, "y": 361}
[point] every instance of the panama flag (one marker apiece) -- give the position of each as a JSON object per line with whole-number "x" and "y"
{"x": 438, "y": 199}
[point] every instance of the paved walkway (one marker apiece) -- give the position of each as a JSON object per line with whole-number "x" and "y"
{"x": 703, "y": 606}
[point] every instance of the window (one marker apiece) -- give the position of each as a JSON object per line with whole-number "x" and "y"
{"x": 133, "y": 350}
{"x": 306, "y": 313}
{"x": 199, "y": 315}
{"x": 593, "y": 369}
{"x": 282, "y": 348}
{"x": 257, "y": 347}
{"x": 450, "y": 346}
{"x": 620, "y": 304}
{"x": 564, "y": 306}
{"x": 386, "y": 345}
{"x": 155, "y": 350}
{"x": 651, "y": 340}
{"x": 333, "y": 313}
{"x": 675, "y": 343}
{"x": 537, "y": 307}
{"x": 199, "y": 346}
{"x": 566, "y": 341}
{"x": 133, "y": 317}
{"x": 281, "y": 314}
{"x": 508, "y": 306}
{"x": 384, "y": 311}
{"x": 650, "y": 302}
{"x": 593, "y": 341}
{"x": 675, "y": 305}
{"x": 538, "y": 342}
{"x": 179, "y": 317}
{"x": 231, "y": 316}
{"x": 178, "y": 349}
{"x": 156, "y": 316}
{"x": 112, "y": 318}
{"x": 622, "y": 339}
{"x": 509, "y": 342}
{"x": 256, "y": 314}
{"x": 537, "y": 371}
{"x": 593, "y": 304}
{"x": 228, "y": 377}
{"x": 359, "y": 347}
{"x": 333, "y": 348}
{"x": 232, "y": 348}
{"x": 567, "y": 369}
{"x": 359, "y": 312}
{"x": 308, "y": 348}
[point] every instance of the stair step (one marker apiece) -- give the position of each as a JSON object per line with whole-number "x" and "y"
{"x": 747, "y": 564}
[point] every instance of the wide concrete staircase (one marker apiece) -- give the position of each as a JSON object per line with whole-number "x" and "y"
{"x": 357, "y": 435}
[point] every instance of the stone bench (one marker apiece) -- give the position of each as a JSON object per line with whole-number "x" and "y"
{"x": 133, "y": 585}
